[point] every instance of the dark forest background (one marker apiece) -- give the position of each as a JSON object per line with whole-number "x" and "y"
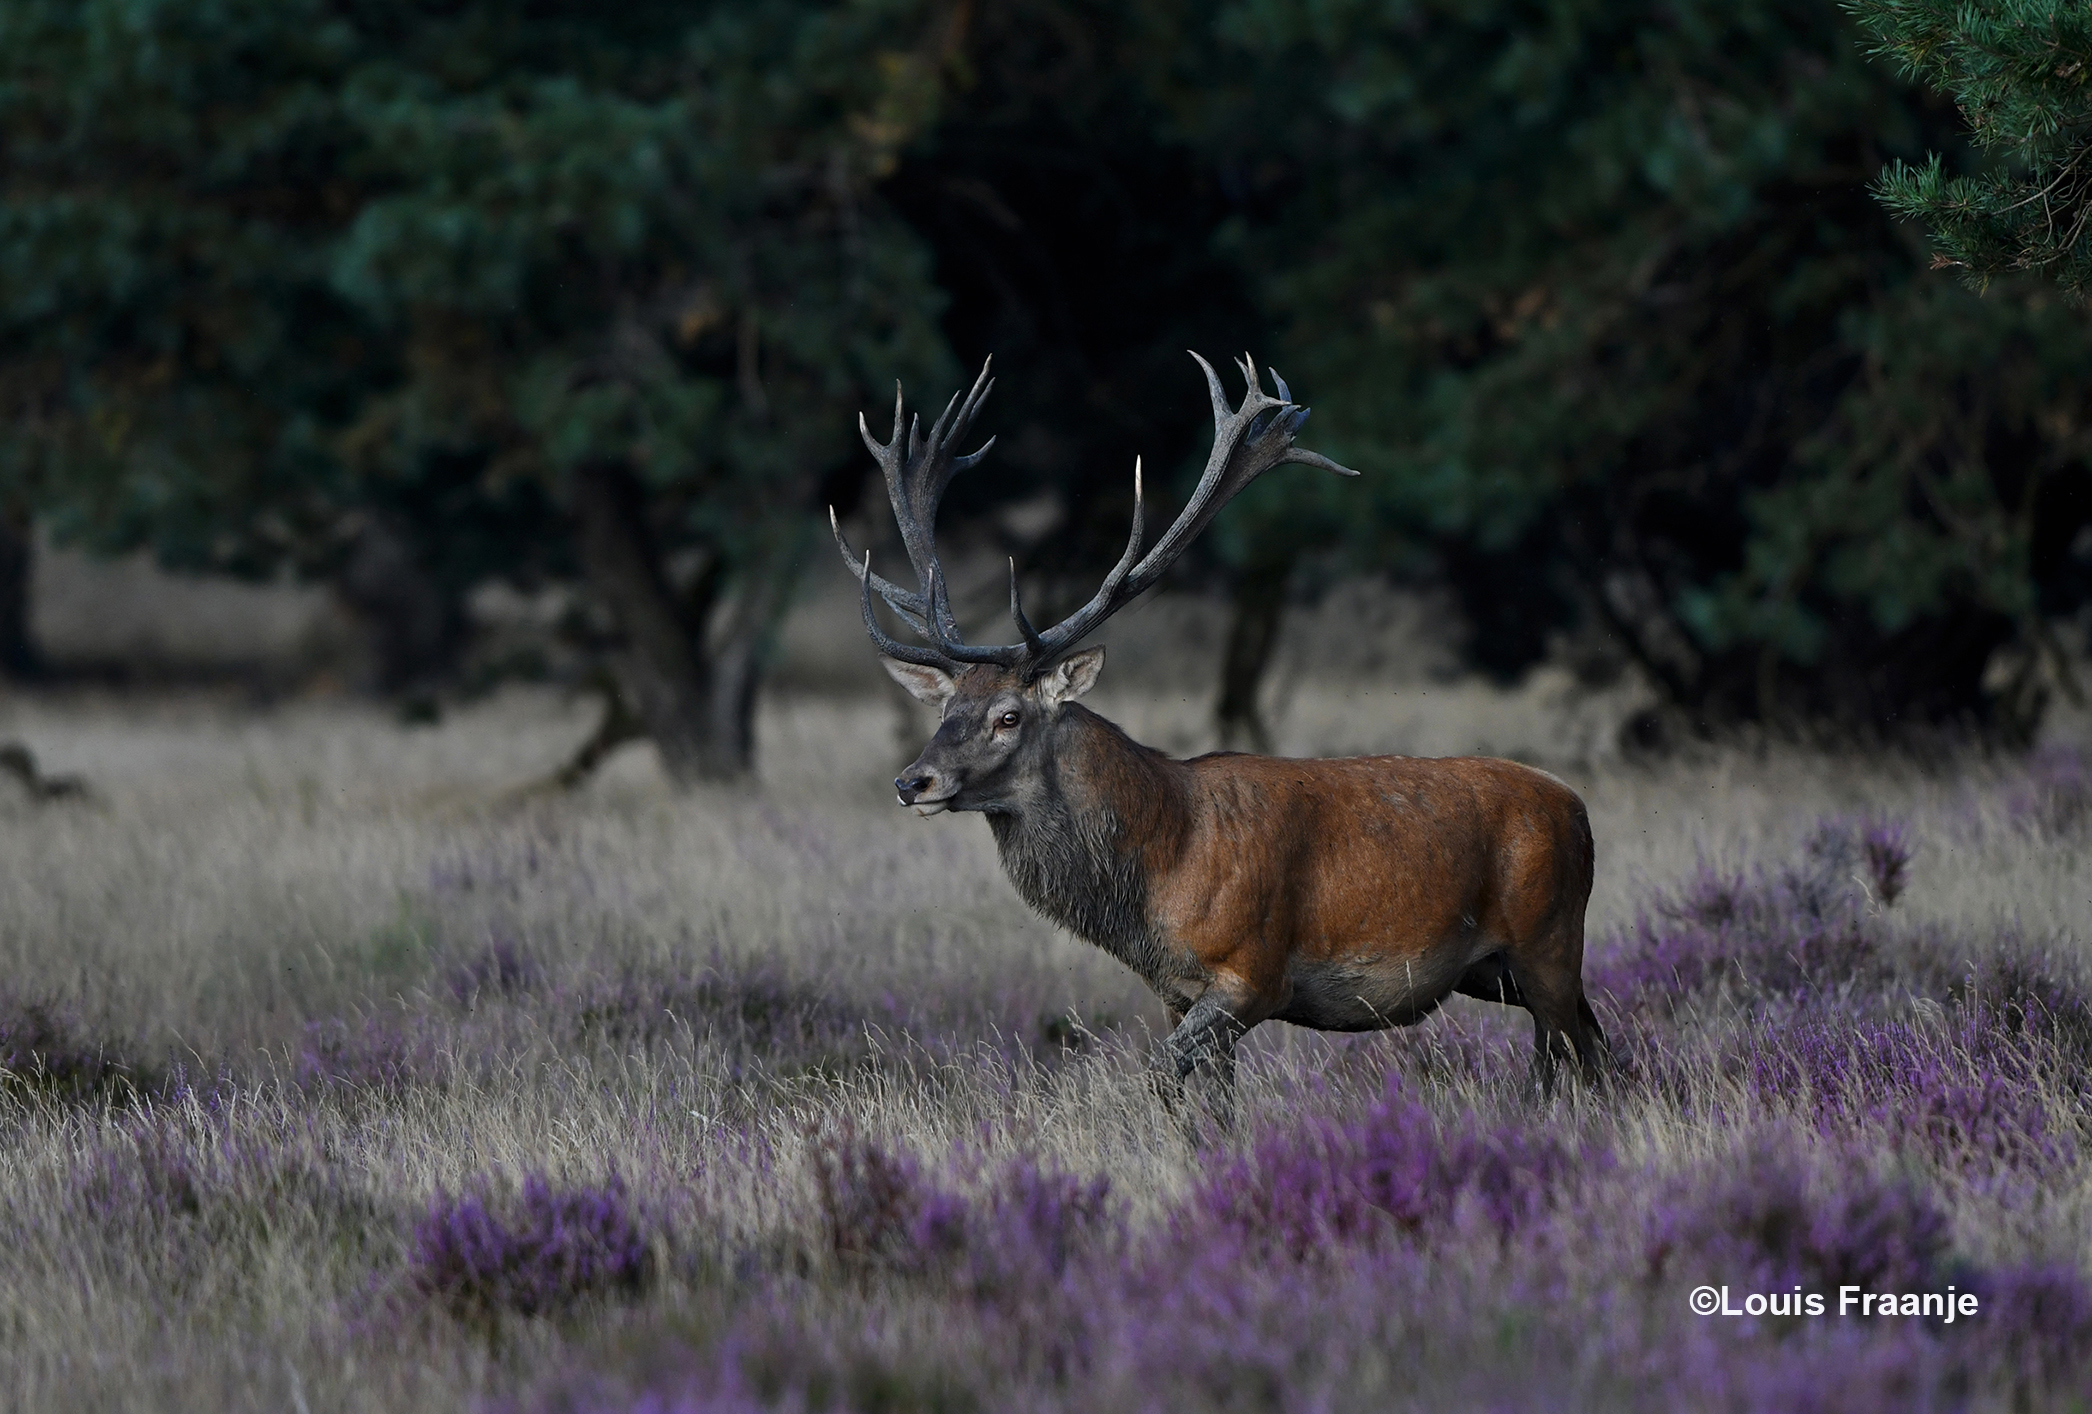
{"x": 1600, "y": 296}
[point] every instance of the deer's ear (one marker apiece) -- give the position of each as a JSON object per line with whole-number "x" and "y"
{"x": 933, "y": 687}
{"x": 1072, "y": 676}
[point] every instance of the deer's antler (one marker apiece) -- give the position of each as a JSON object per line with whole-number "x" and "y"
{"x": 1248, "y": 440}
{"x": 918, "y": 468}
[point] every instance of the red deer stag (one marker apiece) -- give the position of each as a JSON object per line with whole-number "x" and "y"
{"x": 1344, "y": 895}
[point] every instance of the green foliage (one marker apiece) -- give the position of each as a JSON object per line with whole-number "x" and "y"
{"x": 2021, "y": 73}
{"x": 267, "y": 266}
{"x": 1596, "y": 294}
{"x": 1598, "y": 298}
{"x": 155, "y": 259}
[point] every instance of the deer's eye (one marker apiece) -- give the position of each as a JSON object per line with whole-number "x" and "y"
{"x": 1007, "y": 719}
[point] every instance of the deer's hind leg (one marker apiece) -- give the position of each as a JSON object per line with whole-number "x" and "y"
{"x": 1548, "y": 982}
{"x": 1490, "y": 980}
{"x": 1556, "y": 1033}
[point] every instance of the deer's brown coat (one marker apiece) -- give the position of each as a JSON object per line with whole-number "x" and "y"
{"x": 1342, "y": 895}
{"x": 1337, "y": 894}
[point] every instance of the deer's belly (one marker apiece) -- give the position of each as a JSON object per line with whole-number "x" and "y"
{"x": 1368, "y": 995}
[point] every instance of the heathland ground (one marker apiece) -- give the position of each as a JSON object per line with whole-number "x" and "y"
{"x": 340, "y": 1073}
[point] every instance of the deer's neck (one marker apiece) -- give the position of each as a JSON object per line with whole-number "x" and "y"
{"x": 1082, "y": 846}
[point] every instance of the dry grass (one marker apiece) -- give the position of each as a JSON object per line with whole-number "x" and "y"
{"x": 248, "y": 886}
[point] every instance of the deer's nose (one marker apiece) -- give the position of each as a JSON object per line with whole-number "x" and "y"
{"x": 909, "y": 788}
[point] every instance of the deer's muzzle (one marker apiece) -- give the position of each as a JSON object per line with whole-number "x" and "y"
{"x": 922, "y": 792}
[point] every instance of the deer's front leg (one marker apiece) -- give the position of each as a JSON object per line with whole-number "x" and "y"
{"x": 1168, "y": 1083}
{"x": 1204, "y": 1043}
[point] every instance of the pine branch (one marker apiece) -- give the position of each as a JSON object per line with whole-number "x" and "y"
{"x": 2021, "y": 73}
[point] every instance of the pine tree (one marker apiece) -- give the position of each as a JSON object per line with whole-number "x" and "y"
{"x": 2020, "y": 71}
{"x": 1598, "y": 295}
{"x": 407, "y": 295}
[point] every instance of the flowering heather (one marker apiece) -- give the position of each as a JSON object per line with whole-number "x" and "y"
{"x": 879, "y": 1208}
{"x": 882, "y": 1212}
{"x": 382, "y": 1052}
{"x": 540, "y": 1254}
{"x": 746, "y": 1006}
{"x": 1885, "y": 852}
{"x": 1393, "y": 1172}
{"x": 500, "y": 968}
{"x": 1972, "y": 1100}
{"x": 1761, "y": 1223}
{"x": 2055, "y": 795}
{"x": 1036, "y": 1223}
{"x": 2042, "y": 1315}
{"x": 884, "y": 1141}
{"x": 1875, "y": 853}
{"x": 43, "y": 1048}
{"x": 1799, "y": 927}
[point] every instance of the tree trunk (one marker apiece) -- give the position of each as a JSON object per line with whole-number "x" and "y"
{"x": 614, "y": 728}
{"x": 737, "y": 659}
{"x": 19, "y": 658}
{"x": 1259, "y": 604}
{"x": 416, "y": 627}
{"x": 695, "y": 699}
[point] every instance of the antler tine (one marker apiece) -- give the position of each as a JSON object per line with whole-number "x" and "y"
{"x": 877, "y": 448}
{"x": 915, "y": 484}
{"x": 1221, "y": 410}
{"x": 1108, "y": 599}
{"x": 892, "y": 648}
{"x": 1032, "y": 644}
{"x": 918, "y": 466}
{"x": 945, "y": 634}
{"x": 909, "y": 606}
{"x": 1301, "y": 456}
{"x": 1105, "y": 602}
{"x": 891, "y": 458}
{"x": 1246, "y": 444}
{"x": 1243, "y": 450}
{"x": 944, "y": 427}
{"x": 964, "y": 405}
{"x": 971, "y": 459}
{"x": 1140, "y": 523}
{"x": 960, "y": 424}
{"x": 1248, "y": 366}
{"x": 952, "y": 466}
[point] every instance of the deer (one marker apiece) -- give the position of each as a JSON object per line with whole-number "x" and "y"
{"x": 1336, "y": 894}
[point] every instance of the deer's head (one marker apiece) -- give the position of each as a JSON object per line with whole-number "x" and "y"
{"x": 995, "y": 733}
{"x": 1001, "y": 702}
